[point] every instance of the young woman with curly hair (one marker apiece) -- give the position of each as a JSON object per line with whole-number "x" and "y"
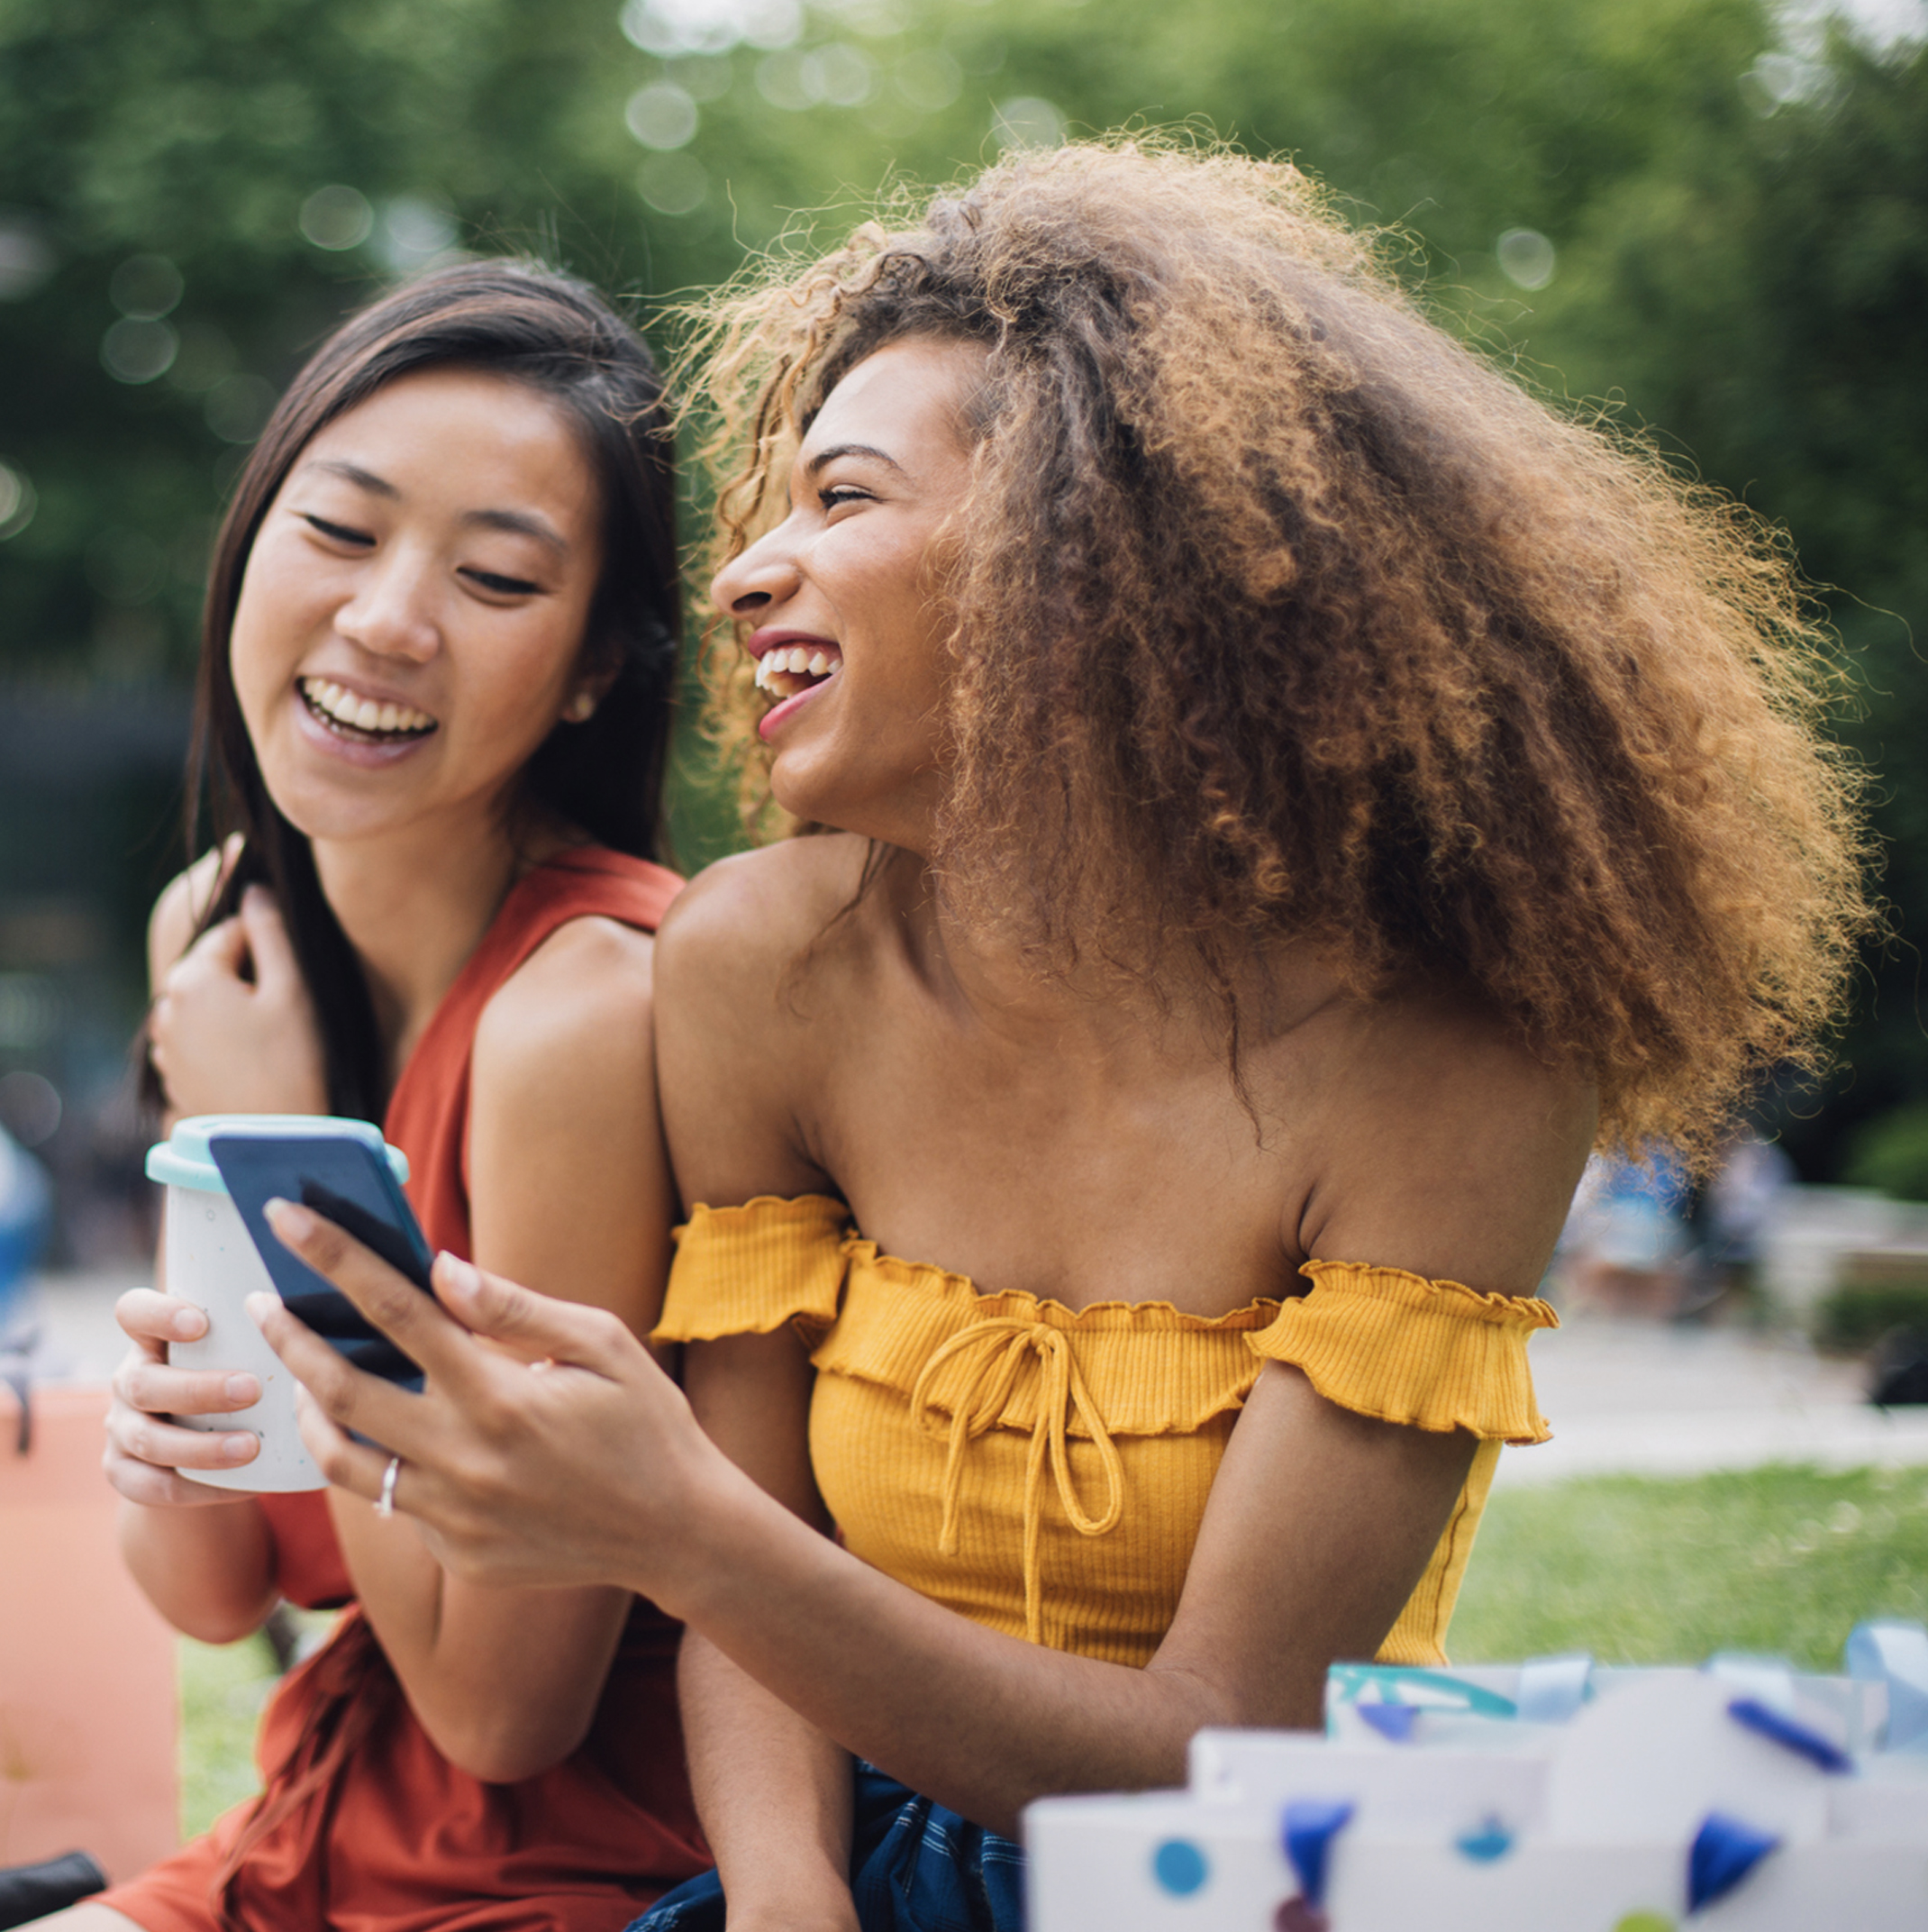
{"x": 1294, "y": 794}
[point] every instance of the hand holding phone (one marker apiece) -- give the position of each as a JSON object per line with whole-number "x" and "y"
{"x": 340, "y": 1169}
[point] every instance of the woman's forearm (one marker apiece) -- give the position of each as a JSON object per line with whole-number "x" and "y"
{"x": 980, "y": 1721}
{"x": 504, "y": 1681}
{"x": 208, "y": 1570}
{"x": 984, "y": 1722}
{"x": 774, "y": 1795}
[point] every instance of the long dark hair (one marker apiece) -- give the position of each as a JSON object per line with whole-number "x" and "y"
{"x": 603, "y": 776}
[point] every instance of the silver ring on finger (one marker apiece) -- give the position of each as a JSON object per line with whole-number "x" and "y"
{"x": 385, "y": 1506}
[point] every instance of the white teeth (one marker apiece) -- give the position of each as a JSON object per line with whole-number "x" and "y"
{"x": 774, "y": 668}
{"x": 364, "y": 714}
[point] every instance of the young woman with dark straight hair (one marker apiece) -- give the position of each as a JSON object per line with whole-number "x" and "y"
{"x": 438, "y": 660}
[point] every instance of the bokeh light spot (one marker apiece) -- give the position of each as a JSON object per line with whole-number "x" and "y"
{"x": 206, "y": 356}
{"x": 780, "y": 82}
{"x": 1526, "y": 258}
{"x": 673, "y": 184}
{"x": 135, "y": 351}
{"x": 29, "y": 1106}
{"x": 237, "y": 407}
{"x": 662, "y": 115}
{"x": 414, "y": 233}
{"x": 18, "y": 501}
{"x": 668, "y": 27}
{"x": 336, "y": 217}
{"x": 1027, "y": 120}
{"x": 146, "y": 288}
{"x": 837, "y": 73}
{"x": 26, "y": 256}
{"x": 929, "y": 79}
{"x": 876, "y": 20}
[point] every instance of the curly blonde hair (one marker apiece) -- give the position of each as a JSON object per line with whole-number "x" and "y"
{"x": 1281, "y": 614}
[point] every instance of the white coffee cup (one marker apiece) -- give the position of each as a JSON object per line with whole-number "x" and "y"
{"x": 211, "y": 1262}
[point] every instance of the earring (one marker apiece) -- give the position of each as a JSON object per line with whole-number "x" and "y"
{"x": 580, "y": 708}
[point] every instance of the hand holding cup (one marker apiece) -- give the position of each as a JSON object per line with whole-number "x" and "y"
{"x": 150, "y": 1457}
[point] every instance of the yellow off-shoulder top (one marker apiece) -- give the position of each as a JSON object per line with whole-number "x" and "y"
{"x": 1043, "y": 1469}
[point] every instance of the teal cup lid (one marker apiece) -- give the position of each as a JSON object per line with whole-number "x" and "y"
{"x": 183, "y": 1159}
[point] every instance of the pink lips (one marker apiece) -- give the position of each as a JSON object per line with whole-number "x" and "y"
{"x": 775, "y": 716}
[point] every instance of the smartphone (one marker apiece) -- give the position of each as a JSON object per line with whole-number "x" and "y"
{"x": 340, "y": 1169}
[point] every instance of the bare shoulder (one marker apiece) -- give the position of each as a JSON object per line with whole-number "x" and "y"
{"x": 738, "y": 926}
{"x": 1452, "y": 1146}
{"x": 570, "y": 1183}
{"x": 577, "y": 1010}
{"x": 180, "y": 909}
{"x": 742, "y": 1062}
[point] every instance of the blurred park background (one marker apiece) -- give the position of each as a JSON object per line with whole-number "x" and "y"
{"x": 1710, "y": 214}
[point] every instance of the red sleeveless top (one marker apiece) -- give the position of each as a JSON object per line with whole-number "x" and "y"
{"x": 364, "y": 1825}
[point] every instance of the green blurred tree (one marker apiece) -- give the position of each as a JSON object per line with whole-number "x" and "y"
{"x": 1766, "y": 312}
{"x": 1684, "y": 204}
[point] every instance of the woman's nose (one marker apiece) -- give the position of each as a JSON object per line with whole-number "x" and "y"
{"x": 392, "y": 612}
{"x": 765, "y": 574}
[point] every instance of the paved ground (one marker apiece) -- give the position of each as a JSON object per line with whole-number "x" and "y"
{"x": 1624, "y": 1395}
{"x": 78, "y": 1341}
{"x": 1638, "y": 1397}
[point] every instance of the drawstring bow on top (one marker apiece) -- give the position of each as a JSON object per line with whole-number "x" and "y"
{"x": 1002, "y": 1347}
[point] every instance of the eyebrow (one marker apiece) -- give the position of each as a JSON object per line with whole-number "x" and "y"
{"x": 354, "y": 473}
{"x": 852, "y": 448}
{"x": 514, "y": 522}
{"x": 520, "y": 524}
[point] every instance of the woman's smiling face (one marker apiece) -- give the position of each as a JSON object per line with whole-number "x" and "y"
{"x": 411, "y": 620}
{"x": 845, "y": 595}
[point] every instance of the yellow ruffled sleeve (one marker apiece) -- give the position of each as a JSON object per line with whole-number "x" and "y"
{"x": 750, "y": 1270}
{"x": 1394, "y": 1346}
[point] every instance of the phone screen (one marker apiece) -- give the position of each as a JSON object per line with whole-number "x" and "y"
{"x": 346, "y": 1179}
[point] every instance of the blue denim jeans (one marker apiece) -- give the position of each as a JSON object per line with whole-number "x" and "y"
{"x": 914, "y": 1867}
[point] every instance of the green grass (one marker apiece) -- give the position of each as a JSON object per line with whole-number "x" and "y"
{"x": 1785, "y": 1560}
{"x": 222, "y": 1689}
{"x": 1780, "y": 1560}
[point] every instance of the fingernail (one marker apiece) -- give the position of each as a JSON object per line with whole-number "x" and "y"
{"x": 239, "y": 1446}
{"x": 463, "y": 1278}
{"x": 190, "y": 1323}
{"x": 243, "y": 1390}
{"x": 291, "y": 1223}
{"x": 259, "y": 1303}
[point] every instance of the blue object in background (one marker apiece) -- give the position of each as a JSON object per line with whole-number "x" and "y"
{"x": 1886, "y": 1650}
{"x": 1492, "y": 1841}
{"x": 1551, "y": 1689}
{"x": 1306, "y": 1832}
{"x": 1393, "y": 1721}
{"x": 1179, "y": 1867}
{"x": 1724, "y": 1851}
{"x": 26, "y": 1215}
{"x": 1752, "y": 1715}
